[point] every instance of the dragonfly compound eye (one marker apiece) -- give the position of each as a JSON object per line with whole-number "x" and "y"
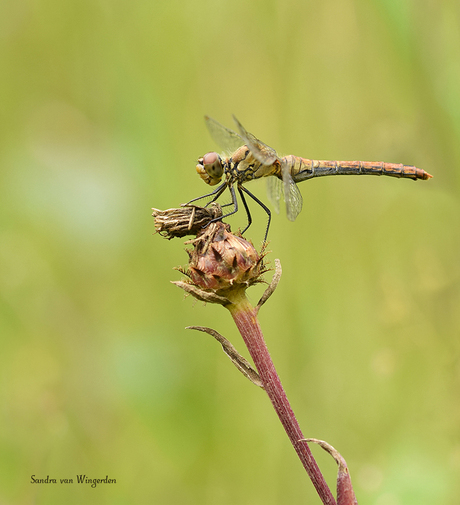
{"x": 210, "y": 168}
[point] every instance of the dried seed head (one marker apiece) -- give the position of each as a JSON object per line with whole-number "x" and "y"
{"x": 182, "y": 221}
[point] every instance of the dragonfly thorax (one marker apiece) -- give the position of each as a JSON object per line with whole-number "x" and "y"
{"x": 243, "y": 166}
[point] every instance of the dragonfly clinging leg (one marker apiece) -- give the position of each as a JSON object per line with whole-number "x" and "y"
{"x": 252, "y": 159}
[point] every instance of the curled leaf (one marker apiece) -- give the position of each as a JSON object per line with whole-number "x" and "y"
{"x": 345, "y": 493}
{"x": 239, "y": 361}
{"x": 200, "y": 294}
{"x": 272, "y": 286}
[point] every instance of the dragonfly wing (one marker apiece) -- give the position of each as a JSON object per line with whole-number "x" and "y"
{"x": 274, "y": 192}
{"x": 292, "y": 196}
{"x": 224, "y": 137}
{"x": 261, "y": 151}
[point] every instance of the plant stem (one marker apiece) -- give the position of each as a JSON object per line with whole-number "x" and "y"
{"x": 245, "y": 318}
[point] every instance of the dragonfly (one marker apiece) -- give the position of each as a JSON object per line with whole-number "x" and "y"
{"x": 248, "y": 158}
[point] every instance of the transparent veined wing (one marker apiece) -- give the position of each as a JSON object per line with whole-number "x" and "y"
{"x": 261, "y": 151}
{"x": 275, "y": 192}
{"x": 224, "y": 137}
{"x": 286, "y": 188}
{"x": 292, "y": 196}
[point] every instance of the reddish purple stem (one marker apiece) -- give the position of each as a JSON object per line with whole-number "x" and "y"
{"x": 245, "y": 319}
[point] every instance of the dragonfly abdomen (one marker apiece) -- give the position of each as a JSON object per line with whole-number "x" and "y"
{"x": 302, "y": 169}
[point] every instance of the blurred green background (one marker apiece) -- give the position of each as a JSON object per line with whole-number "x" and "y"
{"x": 101, "y": 118}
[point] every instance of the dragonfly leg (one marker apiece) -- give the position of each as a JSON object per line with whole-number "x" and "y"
{"x": 266, "y": 209}
{"x": 248, "y": 213}
{"x": 235, "y": 206}
{"x": 218, "y": 191}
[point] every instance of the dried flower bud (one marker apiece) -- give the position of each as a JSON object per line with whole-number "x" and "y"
{"x": 222, "y": 262}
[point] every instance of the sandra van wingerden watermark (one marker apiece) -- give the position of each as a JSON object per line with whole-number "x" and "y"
{"x": 80, "y": 479}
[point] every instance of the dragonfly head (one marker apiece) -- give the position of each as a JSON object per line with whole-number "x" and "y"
{"x": 210, "y": 168}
